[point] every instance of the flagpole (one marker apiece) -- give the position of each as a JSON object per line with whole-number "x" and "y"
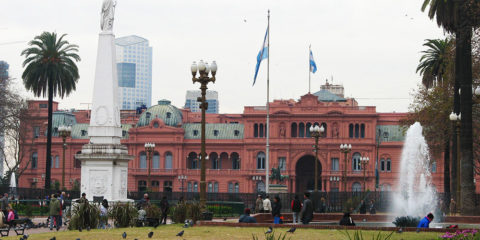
{"x": 267, "y": 184}
{"x": 309, "y": 70}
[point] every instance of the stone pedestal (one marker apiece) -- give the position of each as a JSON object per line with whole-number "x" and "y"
{"x": 278, "y": 188}
{"x": 104, "y": 159}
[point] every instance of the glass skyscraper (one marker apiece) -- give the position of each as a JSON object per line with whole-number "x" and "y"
{"x": 192, "y": 103}
{"x": 134, "y": 66}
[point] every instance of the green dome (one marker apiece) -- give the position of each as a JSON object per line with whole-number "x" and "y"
{"x": 169, "y": 114}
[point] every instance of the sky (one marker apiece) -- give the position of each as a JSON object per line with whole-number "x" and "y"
{"x": 372, "y": 47}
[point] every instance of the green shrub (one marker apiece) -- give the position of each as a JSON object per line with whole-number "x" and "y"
{"x": 194, "y": 211}
{"x": 186, "y": 210}
{"x": 124, "y": 214}
{"x": 179, "y": 213}
{"x": 406, "y": 221}
{"x": 84, "y": 215}
{"x": 153, "y": 211}
{"x": 28, "y": 210}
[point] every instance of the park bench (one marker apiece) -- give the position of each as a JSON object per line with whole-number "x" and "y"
{"x": 18, "y": 225}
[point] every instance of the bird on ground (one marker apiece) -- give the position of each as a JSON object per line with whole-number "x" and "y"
{"x": 88, "y": 228}
{"x": 78, "y": 239}
{"x": 270, "y": 230}
{"x": 80, "y": 229}
{"x": 292, "y": 230}
{"x": 25, "y": 237}
{"x": 124, "y": 235}
{"x": 400, "y": 230}
{"x": 156, "y": 225}
{"x": 150, "y": 234}
{"x": 53, "y": 238}
{"x": 180, "y": 233}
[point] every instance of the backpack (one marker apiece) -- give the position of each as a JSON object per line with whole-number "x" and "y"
{"x": 296, "y": 205}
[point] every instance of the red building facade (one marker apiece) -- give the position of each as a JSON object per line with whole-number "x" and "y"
{"x": 235, "y": 146}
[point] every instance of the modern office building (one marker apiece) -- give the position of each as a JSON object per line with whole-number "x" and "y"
{"x": 194, "y": 106}
{"x": 134, "y": 67}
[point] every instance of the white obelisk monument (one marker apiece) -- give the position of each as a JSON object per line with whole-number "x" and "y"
{"x": 104, "y": 159}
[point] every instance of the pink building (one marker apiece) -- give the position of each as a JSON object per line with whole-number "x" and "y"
{"x": 235, "y": 146}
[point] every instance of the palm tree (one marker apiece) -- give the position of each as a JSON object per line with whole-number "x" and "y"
{"x": 460, "y": 17}
{"x": 433, "y": 65}
{"x": 50, "y": 69}
{"x": 434, "y": 61}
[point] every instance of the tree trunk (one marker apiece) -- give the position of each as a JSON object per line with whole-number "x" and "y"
{"x": 48, "y": 159}
{"x": 463, "y": 70}
{"x": 456, "y": 110}
{"x": 446, "y": 172}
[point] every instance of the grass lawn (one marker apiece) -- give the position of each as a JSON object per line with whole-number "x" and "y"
{"x": 212, "y": 233}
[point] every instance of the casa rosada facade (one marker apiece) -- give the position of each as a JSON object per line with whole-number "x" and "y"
{"x": 235, "y": 146}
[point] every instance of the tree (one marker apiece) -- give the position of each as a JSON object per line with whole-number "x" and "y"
{"x": 434, "y": 60}
{"x": 50, "y": 70}
{"x": 429, "y": 106}
{"x": 460, "y": 17}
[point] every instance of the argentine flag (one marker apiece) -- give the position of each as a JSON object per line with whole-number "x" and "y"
{"x": 261, "y": 55}
{"x": 313, "y": 66}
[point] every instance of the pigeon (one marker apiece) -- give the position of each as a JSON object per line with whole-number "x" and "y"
{"x": 80, "y": 229}
{"x": 186, "y": 225}
{"x": 400, "y": 230}
{"x": 53, "y": 238}
{"x": 156, "y": 225}
{"x": 180, "y": 233}
{"x": 25, "y": 237}
{"x": 292, "y": 230}
{"x": 78, "y": 239}
{"x": 124, "y": 235}
{"x": 270, "y": 230}
{"x": 150, "y": 234}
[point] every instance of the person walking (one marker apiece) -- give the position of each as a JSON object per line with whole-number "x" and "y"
{"x": 4, "y": 204}
{"x": 267, "y": 205}
{"x": 453, "y": 207}
{"x": 307, "y": 209}
{"x": 164, "y": 206}
{"x": 54, "y": 212}
{"x": 296, "y": 208}
{"x": 103, "y": 214}
{"x": 276, "y": 210}
{"x": 259, "y": 204}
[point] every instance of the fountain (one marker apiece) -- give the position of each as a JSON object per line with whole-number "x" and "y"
{"x": 416, "y": 196}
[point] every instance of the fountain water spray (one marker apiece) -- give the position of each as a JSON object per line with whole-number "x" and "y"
{"x": 416, "y": 195}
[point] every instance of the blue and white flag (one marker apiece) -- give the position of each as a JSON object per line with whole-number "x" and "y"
{"x": 261, "y": 55}
{"x": 313, "y": 66}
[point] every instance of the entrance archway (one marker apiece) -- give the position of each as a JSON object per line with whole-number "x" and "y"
{"x": 305, "y": 174}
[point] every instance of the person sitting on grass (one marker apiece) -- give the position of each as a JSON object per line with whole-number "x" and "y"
{"x": 425, "y": 222}
{"x": 246, "y": 218}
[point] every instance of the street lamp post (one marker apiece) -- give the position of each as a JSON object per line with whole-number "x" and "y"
{"x": 316, "y": 132}
{"x": 457, "y": 119}
{"x": 182, "y": 178}
{"x": 364, "y": 162}
{"x": 203, "y": 69}
{"x": 64, "y": 132}
{"x": 149, "y": 147}
{"x": 345, "y": 149}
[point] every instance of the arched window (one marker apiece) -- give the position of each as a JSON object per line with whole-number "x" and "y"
{"x": 382, "y": 165}
{"x": 237, "y": 188}
{"x": 301, "y": 130}
{"x": 235, "y": 160}
{"x": 293, "y": 131}
{"x": 230, "y": 187}
{"x": 261, "y": 130}
{"x": 78, "y": 162}
{"x": 143, "y": 160}
{"x": 156, "y": 160}
{"x": 192, "y": 160}
{"x": 168, "y": 160}
{"x": 142, "y": 186}
{"x": 189, "y": 187}
{"x": 261, "y": 160}
{"x": 307, "y": 130}
{"x": 350, "y": 130}
{"x": 57, "y": 161}
{"x": 34, "y": 160}
{"x": 210, "y": 187}
{"x": 223, "y": 159}
{"x": 255, "y": 130}
{"x": 356, "y": 187}
{"x": 357, "y": 130}
{"x": 362, "y": 130}
{"x": 215, "y": 187}
{"x": 195, "y": 187}
{"x": 214, "y": 158}
{"x": 356, "y": 162}
{"x": 389, "y": 165}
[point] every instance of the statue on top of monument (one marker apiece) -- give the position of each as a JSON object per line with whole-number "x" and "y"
{"x": 108, "y": 11}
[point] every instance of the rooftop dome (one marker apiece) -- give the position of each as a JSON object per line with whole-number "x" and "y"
{"x": 169, "y": 114}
